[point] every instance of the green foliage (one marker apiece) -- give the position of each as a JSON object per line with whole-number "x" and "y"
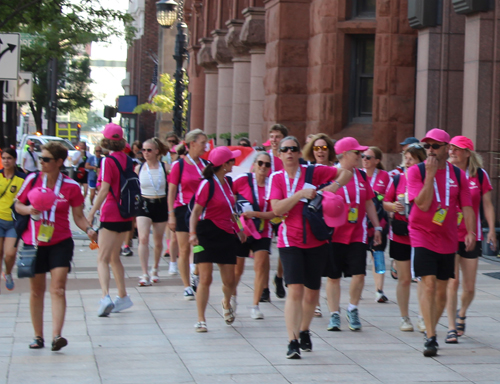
{"x": 240, "y": 135}
{"x": 212, "y": 136}
{"x": 225, "y": 136}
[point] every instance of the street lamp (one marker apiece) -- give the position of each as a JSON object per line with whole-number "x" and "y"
{"x": 167, "y": 11}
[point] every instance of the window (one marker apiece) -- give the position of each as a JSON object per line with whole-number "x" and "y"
{"x": 363, "y": 8}
{"x": 361, "y": 86}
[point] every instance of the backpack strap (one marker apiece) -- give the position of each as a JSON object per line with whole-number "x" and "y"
{"x": 458, "y": 175}
{"x": 308, "y": 179}
{"x": 250, "y": 183}
{"x": 120, "y": 169}
{"x": 395, "y": 180}
{"x": 421, "y": 167}
{"x": 363, "y": 173}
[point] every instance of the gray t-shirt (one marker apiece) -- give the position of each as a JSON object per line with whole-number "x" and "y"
{"x": 30, "y": 162}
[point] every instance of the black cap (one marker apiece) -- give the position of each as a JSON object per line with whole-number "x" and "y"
{"x": 410, "y": 140}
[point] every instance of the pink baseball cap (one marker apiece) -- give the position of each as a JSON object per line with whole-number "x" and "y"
{"x": 437, "y": 135}
{"x": 348, "y": 144}
{"x": 249, "y": 228}
{"x": 41, "y": 199}
{"x": 221, "y": 155}
{"x": 334, "y": 209}
{"x": 462, "y": 142}
{"x": 266, "y": 144}
{"x": 113, "y": 131}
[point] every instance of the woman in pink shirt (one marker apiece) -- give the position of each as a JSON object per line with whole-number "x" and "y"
{"x": 463, "y": 156}
{"x": 212, "y": 232}
{"x": 379, "y": 180}
{"x": 396, "y": 201}
{"x": 303, "y": 262}
{"x": 184, "y": 179}
{"x": 113, "y": 226}
{"x": 55, "y": 250}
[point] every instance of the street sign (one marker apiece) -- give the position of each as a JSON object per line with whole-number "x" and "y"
{"x": 20, "y": 90}
{"x": 10, "y": 53}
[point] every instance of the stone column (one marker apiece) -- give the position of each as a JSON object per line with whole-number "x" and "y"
{"x": 253, "y": 35}
{"x": 197, "y": 90}
{"x": 241, "y": 79}
{"x": 209, "y": 65}
{"x": 223, "y": 57}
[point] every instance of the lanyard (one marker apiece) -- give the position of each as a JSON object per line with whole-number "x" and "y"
{"x": 151, "y": 177}
{"x": 200, "y": 171}
{"x": 8, "y": 185}
{"x": 447, "y": 181}
{"x": 256, "y": 191}
{"x": 57, "y": 189}
{"x": 374, "y": 177}
{"x": 346, "y": 192}
{"x": 272, "y": 160}
{"x": 224, "y": 193}
{"x": 291, "y": 192}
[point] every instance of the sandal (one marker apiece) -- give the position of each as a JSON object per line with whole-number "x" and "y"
{"x": 201, "y": 326}
{"x": 228, "y": 314}
{"x": 58, "y": 343}
{"x": 317, "y": 311}
{"x": 460, "y": 326}
{"x": 37, "y": 343}
{"x": 394, "y": 272}
{"x": 451, "y": 337}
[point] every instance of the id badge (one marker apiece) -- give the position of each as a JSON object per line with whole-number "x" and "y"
{"x": 439, "y": 216}
{"x": 352, "y": 217}
{"x": 460, "y": 217}
{"x": 45, "y": 233}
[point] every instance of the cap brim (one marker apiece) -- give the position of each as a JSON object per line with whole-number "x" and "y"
{"x": 236, "y": 153}
{"x": 361, "y": 148}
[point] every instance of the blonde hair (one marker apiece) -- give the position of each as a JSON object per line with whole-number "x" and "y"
{"x": 308, "y": 148}
{"x": 378, "y": 156}
{"x": 162, "y": 148}
{"x": 190, "y": 137}
{"x": 475, "y": 162}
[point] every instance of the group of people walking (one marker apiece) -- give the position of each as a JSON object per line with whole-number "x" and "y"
{"x": 428, "y": 210}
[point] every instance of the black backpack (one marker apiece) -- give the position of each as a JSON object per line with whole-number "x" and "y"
{"x": 240, "y": 200}
{"x": 130, "y": 190}
{"x": 315, "y": 217}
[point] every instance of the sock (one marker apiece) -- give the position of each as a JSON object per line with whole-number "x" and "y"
{"x": 380, "y": 291}
{"x": 173, "y": 263}
{"x": 337, "y": 312}
{"x": 191, "y": 268}
{"x": 351, "y": 307}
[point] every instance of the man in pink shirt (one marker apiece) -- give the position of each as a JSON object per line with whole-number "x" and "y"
{"x": 433, "y": 227}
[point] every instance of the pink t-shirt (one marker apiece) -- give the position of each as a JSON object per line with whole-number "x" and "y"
{"x": 191, "y": 178}
{"x": 354, "y": 232}
{"x": 276, "y": 163}
{"x": 241, "y": 186}
{"x": 391, "y": 196}
{"x": 217, "y": 210}
{"x": 381, "y": 181}
{"x": 476, "y": 193}
{"x": 291, "y": 229}
{"x": 111, "y": 175}
{"x": 70, "y": 195}
{"x": 423, "y": 232}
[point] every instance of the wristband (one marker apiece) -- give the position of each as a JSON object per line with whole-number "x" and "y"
{"x": 336, "y": 182}
{"x": 89, "y": 228}
{"x": 378, "y": 229}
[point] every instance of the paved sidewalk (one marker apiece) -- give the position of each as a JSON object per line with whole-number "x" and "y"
{"x": 155, "y": 342}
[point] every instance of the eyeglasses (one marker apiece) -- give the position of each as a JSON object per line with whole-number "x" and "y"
{"x": 148, "y": 150}
{"x": 46, "y": 159}
{"x": 294, "y": 149}
{"x": 260, "y": 163}
{"x": 433, "y": 146}
{"x": 316, "y": 148}
{"x": 366, "y": 157}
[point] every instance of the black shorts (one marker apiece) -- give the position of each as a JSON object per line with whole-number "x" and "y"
{"x": 243, "y": 249}
{"x": 304, "y": 265}
{"x": 155, "y": 209}
{"x": 180, "y": 218}
{"x": 218, "y": 245}
{"x": 429, "y": 263}
{"x": 399, "y": 251}
{"x": 347, "y": 259}
{"x": 474, "y": 254}
{"x": 54, "y": 256}
{"x": 117, "y": 226}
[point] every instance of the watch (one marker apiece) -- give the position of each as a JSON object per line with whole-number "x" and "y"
{"x": 378, "y": 229}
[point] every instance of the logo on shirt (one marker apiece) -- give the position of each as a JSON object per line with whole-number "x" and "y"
{"x": 362, "y": 186}
{"x": 61, "y": 198}
{"x": 452, "y": 183}
{"x": 380, "y": 182}
{"x": 13, "y": 189}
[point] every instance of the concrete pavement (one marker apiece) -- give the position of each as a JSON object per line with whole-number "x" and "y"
{"x": 155, "y": 341}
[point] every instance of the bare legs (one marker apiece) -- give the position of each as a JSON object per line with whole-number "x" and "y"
{"x": 143, "y": 227}
{"x": 183, "y": 261}
{"x": 432, "y": 301}
{"x": 109, "y": 254}
{"x": 299, "y": 309}
{"x": 403, "y": 287}
{"x": 261, "y": 266}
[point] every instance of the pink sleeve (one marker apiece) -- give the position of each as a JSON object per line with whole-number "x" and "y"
{"x": 486, "y": 186}
{"x": 174, "y": 173}
{"x": 22, "y": 196}
{"x": 202, "y": 193}
{"x": 465, "y": 200}
{"x": 108, "y": 170}
{"x": 324, "y": 174}
{"x": 76, "y": 197}
{"x": 390, "y": 193}
{"x": 369, "y": 192}
{"x": 238, "y": 183}
{"x": 414, "y": 182}
{"x": 275, "y": 188}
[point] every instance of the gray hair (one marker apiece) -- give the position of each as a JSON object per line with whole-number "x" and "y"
{"x": 261, "y": 153}
{"x": 193, "y": 135}
{"x": 340, "y": 156}
{"x": 290, "y": 138}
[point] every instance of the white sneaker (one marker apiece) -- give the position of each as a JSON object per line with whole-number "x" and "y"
{"x": 256, "y": 314}
{"x": 172, "y": 268}
{"x": 144, "y": 281}
{"x": 122, "y": 303}
{"x": 234, "y": 303}
{"x": 154, "y": 275}
{"x": 421, "y": 325}
{"x": 406, "y": 325}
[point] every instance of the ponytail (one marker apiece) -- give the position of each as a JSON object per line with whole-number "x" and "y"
{"x": 210, "y": 170}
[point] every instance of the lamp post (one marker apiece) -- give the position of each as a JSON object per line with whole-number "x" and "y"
{"x": 167, "y": 12}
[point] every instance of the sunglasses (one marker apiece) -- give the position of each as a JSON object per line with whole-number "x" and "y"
{"x": 433, "y": 146}
{"x": 172, "y": 141}
{"x": 46, "y": 159}
{"x": 316, "y": 148}
{"x": 294, "y": 149}
{"x": 148, "y": 150}
{"x": 356, "y": 152}
{"x": 260, "y": 163}
{"x": 366, "y": 157}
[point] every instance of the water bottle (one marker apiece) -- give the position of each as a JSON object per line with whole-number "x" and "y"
{"x": 315, "y": 204}
{"x": 379, "y": 261}
{"x": 401, "y": 200}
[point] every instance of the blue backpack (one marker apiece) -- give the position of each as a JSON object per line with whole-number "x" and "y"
{"x": 130, "y": 190}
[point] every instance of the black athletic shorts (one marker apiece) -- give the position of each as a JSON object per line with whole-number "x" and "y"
{"x": 430, "y": 263}
{"x": 474, "y": 254}
{"x": 399, "y": 251}
{"x": 217, "y": 245}
{"x": 304, "y": 265}
{"x": 155, "y": 209}
{"x": 254, "y": 245}
{"x": 117, "y": 226}
{"x": 180, "y": 218}
{"x": 347, "y": 259}
{"x": 54, "y": 256}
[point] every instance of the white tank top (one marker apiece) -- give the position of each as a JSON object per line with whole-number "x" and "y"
{"x": 157, "y": 177}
